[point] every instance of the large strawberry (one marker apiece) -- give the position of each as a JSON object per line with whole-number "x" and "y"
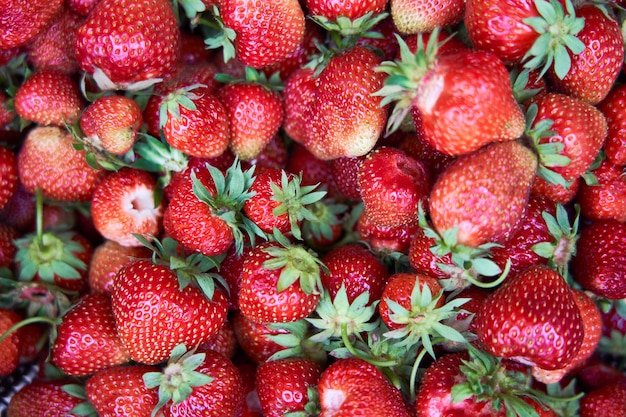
{"x": 21, "y": 22}
{"x": 483, "y": 194}
{"x": 463, "y": 99}
{"x": 161, "y": 303}
{"x": 125, "y": 42}
{"x": 533, "y": 319}
{"x": 86, "y": 339}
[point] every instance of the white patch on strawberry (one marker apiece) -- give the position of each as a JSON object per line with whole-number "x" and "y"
{"x": 430, "y": 90}
{"x": 332, "y": 400}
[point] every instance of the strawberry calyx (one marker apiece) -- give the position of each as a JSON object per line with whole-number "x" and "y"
{"x": 557, "y": 29}
{"x": 296, "y": 341}
{"x": 35, "y": 298}
{"x": 327, "y": 215}
{"x": 519, "y": 82}
{"x": 195, "y": 269}
{"x": 84, "y": 408}
{"x": 253, "y": 76}
{"x": 172, "y": 102}
{"x": 221, "y": 36}
{"x": 563, "y": 247}
{"x": 312, "y": 406}
{"x": 296, "y": 263}
{"x": 468, "y": 263}
{"x": 404, "y": 77}
{"x": 178, "y": 378}
{"x": 345, "y": 32}
{"x": 158, "y": 156}
{"x": 232, "y": 191}
{"x": 192, "y": 8}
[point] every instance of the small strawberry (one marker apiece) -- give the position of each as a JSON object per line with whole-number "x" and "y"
{"x": 123, "y": 204}
{"x": 127, "y": 42}
{"x": 112, "y": 122}
{"x": 609, "y": 401}
{"x": 49, "y": 97}
{"x": 189, "y": 308}
{"x": 605, "y": 199}
{"x": 598, "y": 265}
{"x": 483, "y": 194}
{"x": 48, "y": 160}
{"x": 533, "y": 319}
{"x": 391, "y": 185}
{"x": 280, "y": 282}
{"x": 297, "y": 376}
{"x": 8, "y": 175}
{"x": 417, "y": 16}
{"x": 86, "y": 339}
{"x": 613, "y": 109}
{"x": 22, "y": 22}
{"x": 42, "y": 398}
{"x": 107, "y": 259}
{"x": 119, "y": 391}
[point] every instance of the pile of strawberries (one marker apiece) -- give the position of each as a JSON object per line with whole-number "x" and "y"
{"x": 236, "y": 208}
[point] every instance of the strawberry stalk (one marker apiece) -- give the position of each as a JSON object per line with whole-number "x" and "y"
{"x": 26, "y": 322}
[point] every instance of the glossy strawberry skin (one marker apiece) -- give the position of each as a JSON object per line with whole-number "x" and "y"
{"x": 383, "y": 239}
{"x": 42, "y": 398}
{"x": 10, "y": 347}
{"x": 173, "y": 316}
{"x": 533, "y": 319}
{"x": 7, "y": 248}
{"x": 282, "y": 384}
{"x": 8, "y": 175}
{"x": 107, "y": 259}
{"x": 112, "y": 41}
{"x": 608, "y": 401}
{"x": 252, "y": 338}
{"x": 259, "y": 208}
{"x": 21, "y": 22}
{"x": 484, "y": 193}
{"x": 613, "y": 109}
{"x": 298, "y": 97}
{"x": 599, "y": 262}
{"x": 607, "y": 199}
{"x": 413, "y": 17}
{"x": 87, "y": 340}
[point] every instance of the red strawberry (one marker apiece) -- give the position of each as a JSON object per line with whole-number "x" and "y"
{"x": 349, "y": 387}
{"x": 355, "y": 267}
{"x": 593, "y": 71}
{"x": 82, "y": 7}
{"x": 41, "y": 398}
{"x": 609, "y": 401}
{"x": 254, "y": 338}
{"x": 8, "y": 175}
{"x": 298, "y": 97}
{"x": 598, "y": 264}
{"x": 112, "y": 122}
{"x": 558, "y": 193}
{"x": 416, "y": 16}
{"x": 224, "y": 342}
{"x": 484, "y": 193}
{"x": 613, "y": 109}
{"x": 120, "y": 391}
{"x": 21, "y": 22}
{"x": 49, "y": 98}
{"x": 392, "y": 184}
{"x": 126, "y": 42}
{"x": 386, "y": 239}
{"x": 48, "y": 160}
{"x": 10, "y": 347}
{"x": 346, "y": 119}
{"x": 194, "y": 121}
{"x": 415, "y": 146}
{"x": 346, "y": 173}
{"x": 178, "y": 315}
{"x": 425, "y": 83}
{"x": 123, "y": 204}
{"x": 53, "y": 48}
{"x": 533, "y": 319}
{"x": 7, "y": 248}
{"x": 352, "y": 9}
{"x": 283, "y": 385}
{"x": 313, "y": 170}
{"x": 274, "y": 155}
{"x": 107, "y": 259}
{"x": 259, "y": 34}
{"x": 86, "y": 339}
{"x": 607, "y": 198}
{"x": 280, "y": 282}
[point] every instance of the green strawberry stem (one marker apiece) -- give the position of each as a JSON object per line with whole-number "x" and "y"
{"x": 26, "y": 322}
{"x": 345, "y": 338}
{"x": 39, "y": 215}
{"x": 415, "y": 368}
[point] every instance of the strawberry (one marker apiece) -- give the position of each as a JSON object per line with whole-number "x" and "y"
{"x": 386, "y": 240}
{"x": 7, "y": 248}
{"x": 298, "y": 98}
{"x": 475, "y": 195}
{"x": 119, "y": 52}
{"x": 612, "y": 108}
{"x": 47, "y": 160}
{"x": 567, "y": 133}
{"x": 22, "y": 22}
{"x": 609, "y": 401}
{"x": 255, "y": 113}
{"x": 391, "y": 185}
{"x": 280, "y": 282}
{"x": 49, "y": 97}
{"x": 313, "y": 170}
{"x": 559, "y": 193}
{"x": 284, "y": 385}
{"x": 255, "y": 339}
{"x": 123, "y": 204}
{"x": 533, "y": 319}
{"x": 82, "y": 7}
{"x": 112, "y": 122}
{"x": 350, "y": 9}
{"x": 349, "y": 387}
{"x": 53, "y": 48}
{"x": 425, "y": 81}
{"x": 357, "y": 269}
{"x": 41, "y": 398}
{"x": 597, "y": 265}
{"x": 274, "y": 155}
{"x": 199, "y": 383}
{"x": 281, "y": 202}
{"x": 86, "y": 339}
{"x": 346, "y": 172}
{"x": 107, "y": 259}
{"x": 346, "y": 119}
{"x": 194, "y": 121}
{"x": 593, "y": 71}
{"x": 224, "y": 342}
{"x": 190, "y": 309}
{"x": 120, "y": 391}
{"x": 258, "y": 34}
{"x": 605, "y": 199}
{"x": 415, "y": 16}
{"x": 10, "y": 346}
{"x": 8, "y": 175}
{"x": 415, "y": 146}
